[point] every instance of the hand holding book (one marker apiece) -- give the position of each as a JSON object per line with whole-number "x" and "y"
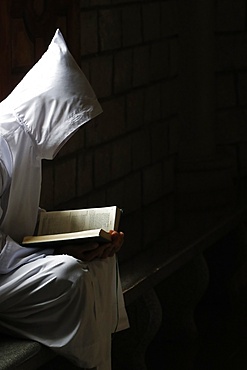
{"x": 90, "y": 251}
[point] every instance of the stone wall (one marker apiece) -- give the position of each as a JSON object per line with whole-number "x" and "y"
{"x": 171, "y": 78}
{"x": 230, "y": 69}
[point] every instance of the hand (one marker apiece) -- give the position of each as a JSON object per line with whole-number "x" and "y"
{"x": 108, "y": 249}
{"x": 90, "y": 251}
{"x": 117, "y": 240}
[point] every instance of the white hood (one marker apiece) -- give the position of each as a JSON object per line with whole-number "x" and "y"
{"x": 53, "y": 99}
{"x": 51, "y": 102}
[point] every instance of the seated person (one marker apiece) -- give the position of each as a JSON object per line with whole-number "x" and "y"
{"x": 70, "y": 301}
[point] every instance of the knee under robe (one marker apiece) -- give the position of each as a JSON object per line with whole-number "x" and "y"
{"x": 68, "y": 305}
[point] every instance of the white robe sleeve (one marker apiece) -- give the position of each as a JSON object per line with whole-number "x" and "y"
{"x": 3, "y": 181}
{"x": 12, "y": 254}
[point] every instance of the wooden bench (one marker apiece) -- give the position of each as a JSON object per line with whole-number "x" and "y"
{"x": 138, "y": 277}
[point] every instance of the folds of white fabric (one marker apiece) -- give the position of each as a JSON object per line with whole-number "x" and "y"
{"x": 67, "y": 305}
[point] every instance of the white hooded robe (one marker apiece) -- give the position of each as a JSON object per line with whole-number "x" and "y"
{"x": 66, "y": 304}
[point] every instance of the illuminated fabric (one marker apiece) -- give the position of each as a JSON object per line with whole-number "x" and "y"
{"x": 59, "y": 301}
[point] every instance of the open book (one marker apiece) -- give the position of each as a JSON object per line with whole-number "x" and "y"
{"x": 78, "y": 226}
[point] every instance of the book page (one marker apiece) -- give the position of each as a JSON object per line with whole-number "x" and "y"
{"x": 77, "y": 220}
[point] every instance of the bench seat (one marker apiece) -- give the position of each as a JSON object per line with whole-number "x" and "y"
{"x": 22, "y": 354}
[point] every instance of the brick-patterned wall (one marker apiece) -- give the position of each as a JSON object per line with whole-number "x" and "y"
{"x": 131, "y": 154}
{"x": 126, "y": 156}
{"x": 231, "y": 82}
